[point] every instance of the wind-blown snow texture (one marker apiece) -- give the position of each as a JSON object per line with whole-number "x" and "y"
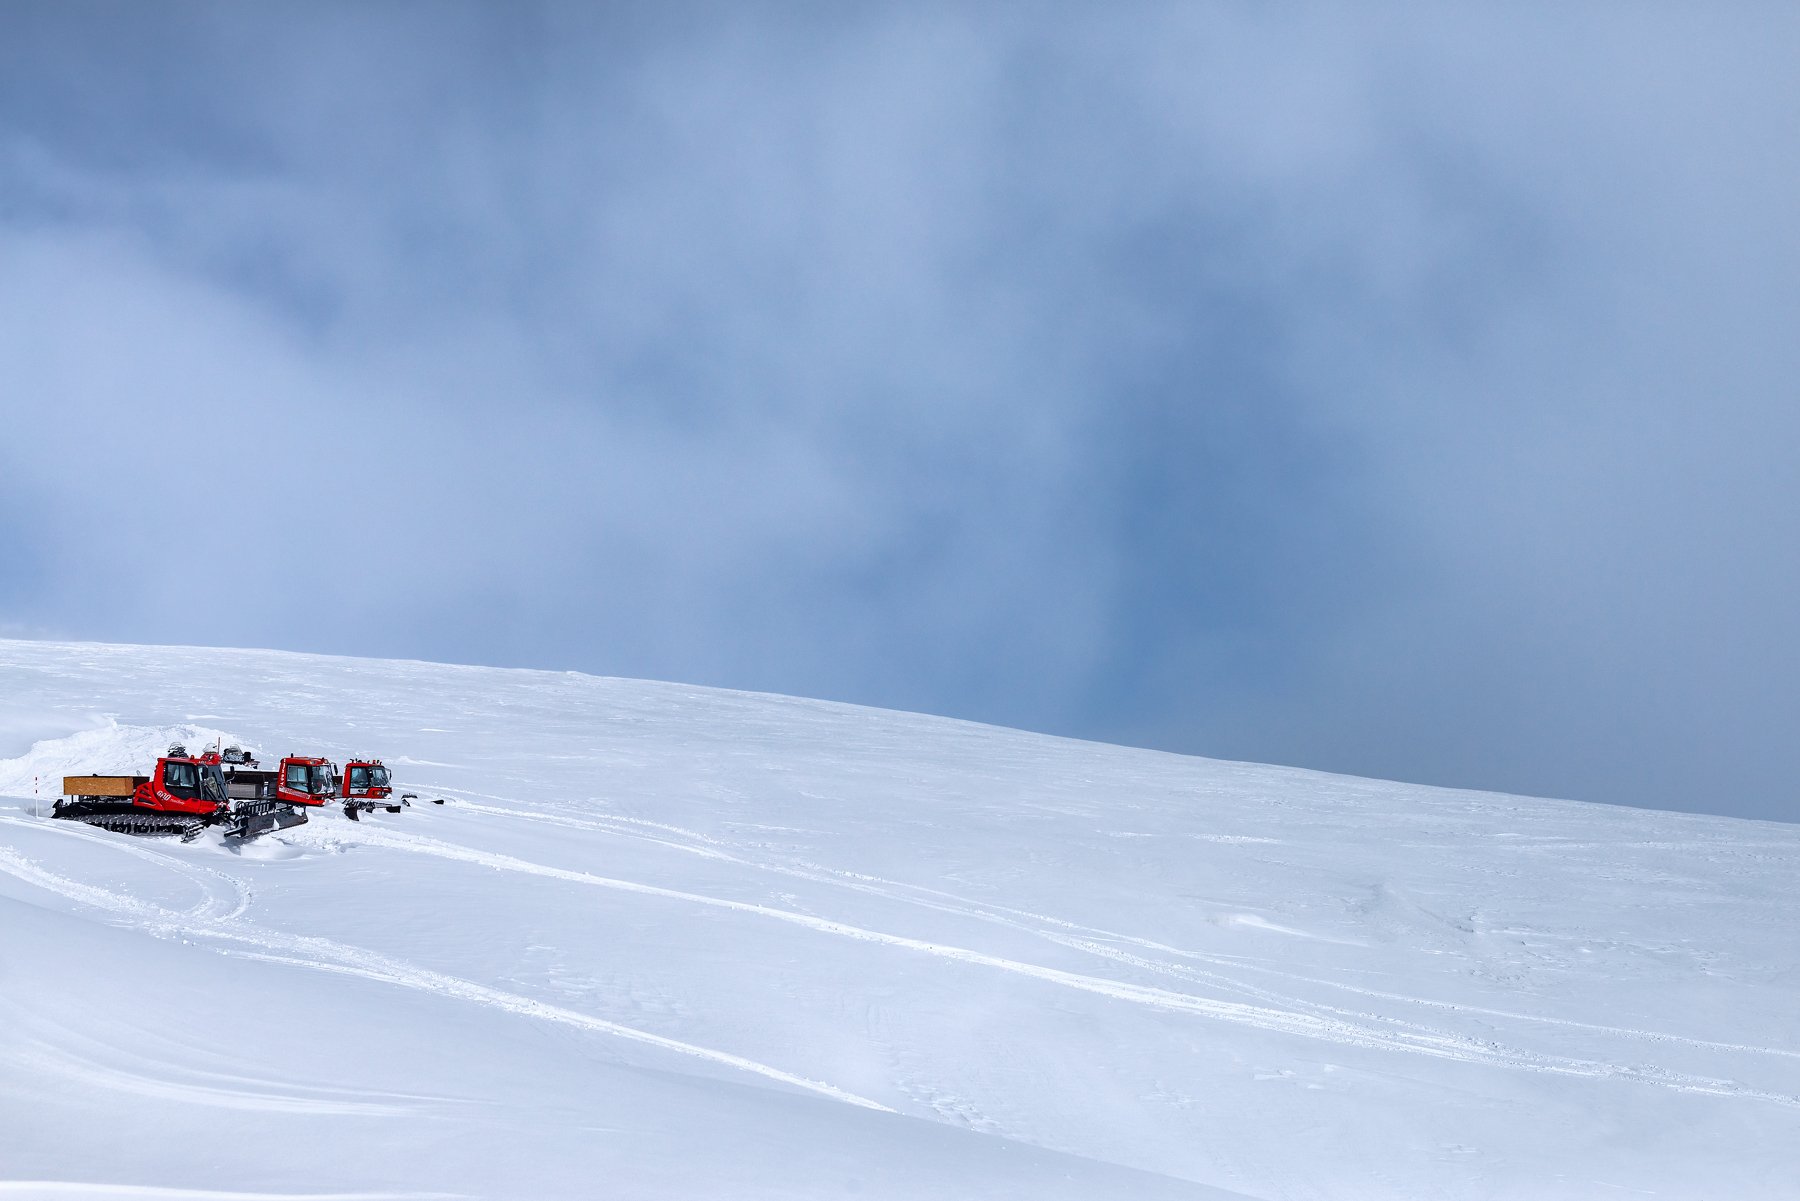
{"x": 674, "y": 942}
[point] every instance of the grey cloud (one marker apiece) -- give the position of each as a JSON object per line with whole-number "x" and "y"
{"x": 1372, "y": 388}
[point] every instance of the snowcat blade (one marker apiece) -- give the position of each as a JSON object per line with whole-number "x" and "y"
{"x": 259, "y": 820}
{"x": 357, "y": 806}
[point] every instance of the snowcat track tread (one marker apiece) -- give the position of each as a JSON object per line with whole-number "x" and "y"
{"x": 146, "y": 826}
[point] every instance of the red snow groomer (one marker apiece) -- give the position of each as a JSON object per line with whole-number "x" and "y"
{"x": 301, "y": 782}
{"x": 365, "y": 785}
{"x": 182, "y": 796}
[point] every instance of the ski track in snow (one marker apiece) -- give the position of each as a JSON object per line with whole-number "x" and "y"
{"x": 327, "y": 955}
{"x": 1280, "y": 1014}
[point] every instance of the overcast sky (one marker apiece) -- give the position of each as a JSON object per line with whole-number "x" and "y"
{"x": 1407, "y": 390}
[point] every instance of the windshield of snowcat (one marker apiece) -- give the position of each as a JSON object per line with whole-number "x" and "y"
{"x": 212, "y": 782}
{"x": 367, "y": 776}
{"x": 180, "y": 777}
{"x": 322, "y": 780}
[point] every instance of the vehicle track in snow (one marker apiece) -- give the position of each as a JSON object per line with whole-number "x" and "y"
{"x": 225, "y": 896}
{"x": 1095, "y": 941}
{"x": 166, "y": 1081}
{"x": 240, "y": 937}
{"x": 1285, "y": 1015}
{"x": 222, "y": 922}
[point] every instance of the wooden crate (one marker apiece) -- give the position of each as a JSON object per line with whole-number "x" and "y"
{"x": 101, "y": 785}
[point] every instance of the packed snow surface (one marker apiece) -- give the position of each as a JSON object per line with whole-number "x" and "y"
{"x": 667, "y": 941}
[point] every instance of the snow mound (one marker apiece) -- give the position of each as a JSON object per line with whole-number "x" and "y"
{"x": 21, "y": 727}
{"x": 111, "y": 750}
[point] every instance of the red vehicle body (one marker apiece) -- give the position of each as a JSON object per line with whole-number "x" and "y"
{"x": 187, "y": 793}
{"x": 366, "y": 786}
{"x": 365, "y": 780}
{"x": 299, "y": 780}
{"x": 183, "y": 784}
{"x": 183, "y": 795}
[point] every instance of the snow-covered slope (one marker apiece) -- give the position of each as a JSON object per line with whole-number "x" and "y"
{"x": 671, "y": 942}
